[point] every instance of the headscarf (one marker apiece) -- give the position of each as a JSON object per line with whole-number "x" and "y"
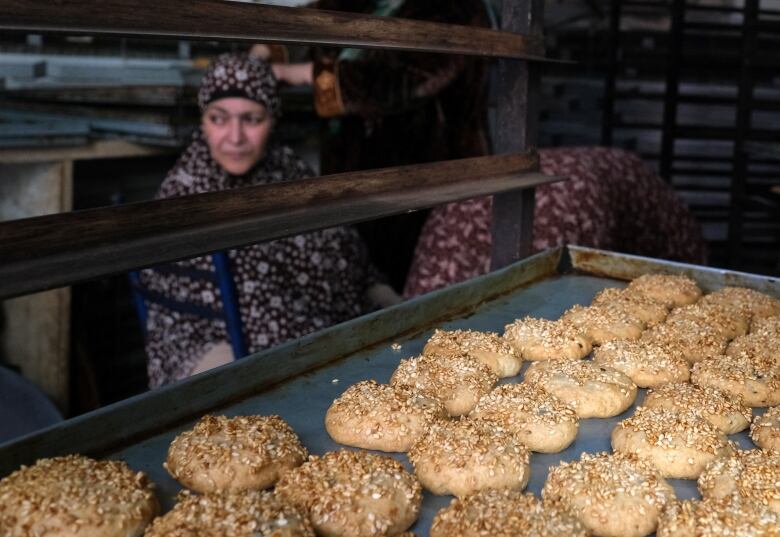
{"x": 240, "y": 75}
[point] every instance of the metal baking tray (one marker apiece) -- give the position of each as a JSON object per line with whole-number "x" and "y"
{"x": 300, "y": 379}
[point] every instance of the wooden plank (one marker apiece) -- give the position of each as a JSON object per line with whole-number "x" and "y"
{"x": 47, "y": 252}
{"x": 36, "y": 337}
{"x": 95, "y": 150}
{"x": 516, "y": 130}
{"x": 236, "y": 21}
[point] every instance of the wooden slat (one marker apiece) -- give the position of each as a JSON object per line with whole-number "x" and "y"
{"x": 51, "y": 251}
{"x": 234, "y": 21}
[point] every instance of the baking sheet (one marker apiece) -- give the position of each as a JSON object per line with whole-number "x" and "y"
{"x": 547, "y": 285}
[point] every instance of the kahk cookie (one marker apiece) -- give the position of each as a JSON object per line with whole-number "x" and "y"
{"x": 675, "y": 290}
{"x": 504, "y": 513}
{"x": 604, "y": 323}
{"x": 539, "y": 419}
{"x": 649, "y": 311}
{"x": 541, "y": 339}
{"x": 590, "y": 389}
{"x": 353, "y": 493}
{"x": 756, "y": 381}
{"x": 248, "y": 513}
{"x": 765, "y": 430}
{"x": 679, "y": 444}
{"x": 752, "y": 475}
{"x": 457, "y": 381}
{"x": 693, "y": 340}
{"x": 466, "y": 456}
{"x": 647, "y": 364}
{"x": 725, "y": 411}
{"x": 75, "y": 496}
{"x": 717, "y": 518}
{"x": 753, "y": 303}
{"x": 613, "y": 495}
{"x": 242, "y": 453}
{"x": 486, "y": 347}
{"x": 729, "y": 322}
{"x": 378, "y": 416}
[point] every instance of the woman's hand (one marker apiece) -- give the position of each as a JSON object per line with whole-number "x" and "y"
{"x": 295, "y": 74}
{"x": 383, "y": 295}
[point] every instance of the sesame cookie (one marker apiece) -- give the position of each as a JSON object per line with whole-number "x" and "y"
{"x": 590, "y": 389}
{"x": 673, "y": 290}
{"x": 649, "y": 311}
{"x": 466, "y": 456}
{"x": 694, "y": 340}
{"x": 753, "y": 303}
{"x": 765, "y": 430}
{"x": 764, "y": 346}
{"x": 378, "y": 416}
{"x": 539, "y": 419}
{"x": 504, "y": 513}
{"x": 769, "y": 326}
{"x": 221, "y": 453}
{"x": 648, "y": 365}
{"x": 717, "y": 518}
{"x": 679, "y": 444}
{"x": 604, "y": 323}
{"x": 457, "y": 381}
{"x": 725, "y": 411}
{"x": 247, "y": 513}
{"x": 729, "y": 322}
{"x": 486, "y": 347}
{"x": 613, "y": 495}
{"x": 76, "y": 495}
{"x": 353, "y": 494}
{"x": 752, "y": 474}
{"x": 756, "y": 381}
{"x": 541, "y": 339}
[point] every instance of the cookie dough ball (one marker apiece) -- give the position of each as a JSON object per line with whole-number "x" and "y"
{"x": 694, "y": 340}
{"x": 248, "y": 513}
{"x": 353, "y": 494}
{"x": 729, "y": 322}
{"x": 650, "y": 312}
{"x": 753, "y": 303}
{"x": 486, "y": 347}
{"x": 378, "y": 416}
{"x": 648, "y": 365}
{"x": 247, "y": 452}
{"x": 756, "y": 381}
{"x": 613, "y": 495}
{"x": 717, "y": 518}
{"x": 457, "y": 381}
{"x": 541, "y": 339}
{"x": 725, "y": 411}
{"x": 765, "y": 430}
{"x": 504, "y": 513}
{"x": 761, "y": 346}
{"x": 604, "y": 323}
{"x": 539, "y": 419}
{"x": 466, "y": 456}
{"x": 74, "y": 496}
{"x": 768, "y": 326}
{"x": 590, "y": 389}
{"x": 679, "y": 444}
{"x": 674, "y": 290}
{"x": 752, "y": 475}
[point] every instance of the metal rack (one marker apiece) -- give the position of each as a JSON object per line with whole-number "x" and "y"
{"x": 51, "y": 251}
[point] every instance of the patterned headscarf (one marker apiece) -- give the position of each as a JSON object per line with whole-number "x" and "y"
{"x": 239, "y": 75}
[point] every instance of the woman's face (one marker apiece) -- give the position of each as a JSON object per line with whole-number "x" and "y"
{"x": 237, "y": 131}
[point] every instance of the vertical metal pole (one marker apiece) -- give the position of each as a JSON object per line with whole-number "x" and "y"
{"x": 515, "y": 130}
{"x": 674, "y": 54}
{"x": 744, "y": 105}
{"x": 610, "y": 84}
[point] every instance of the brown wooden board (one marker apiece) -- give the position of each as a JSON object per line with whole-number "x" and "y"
{"x": 235, "y": 21}
{"x": 51, "y": 251}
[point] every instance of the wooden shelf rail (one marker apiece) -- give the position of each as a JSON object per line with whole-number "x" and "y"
{"x": 234, "y": 21}
{"x": 51, "y": 251}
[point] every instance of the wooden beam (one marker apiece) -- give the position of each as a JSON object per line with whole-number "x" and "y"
{"x": 516, "y": 129}
{"x": 51, "y": 251}
{"x": 235, "y": 21}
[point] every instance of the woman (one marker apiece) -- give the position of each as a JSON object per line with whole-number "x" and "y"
{"x": 286, "y": 288}
{"x": 610, "y": 200}
{"x": 388, "y": 108}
